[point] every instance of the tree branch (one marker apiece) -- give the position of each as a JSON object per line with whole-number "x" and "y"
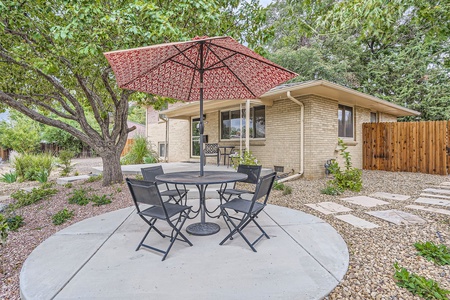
{"x": 113, "y": 95}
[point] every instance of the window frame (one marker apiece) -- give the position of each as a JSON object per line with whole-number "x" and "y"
{"x": 343, "y": 108}
{"x": 252, "y": 116}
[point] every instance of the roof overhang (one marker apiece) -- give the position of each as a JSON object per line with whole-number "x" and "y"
{"x": 191, "y": 109}
{"x": 341, "y": 94}
{"x": 320, "y": 88}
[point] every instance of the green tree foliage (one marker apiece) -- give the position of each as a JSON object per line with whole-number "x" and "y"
{"x": 137, "y": 114}
{"x": 395, "y": 50}
{"x": 19, "y": 133}
{"x": 52, "y": 63}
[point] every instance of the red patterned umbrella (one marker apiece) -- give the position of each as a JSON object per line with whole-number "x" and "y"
{"x": 217, "y": 68}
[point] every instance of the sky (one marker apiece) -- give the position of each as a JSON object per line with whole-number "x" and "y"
{"x": 265, "y": 2}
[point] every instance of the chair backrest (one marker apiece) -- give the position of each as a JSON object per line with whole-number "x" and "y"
{"x": 211, "y": 148}
{"x": 264, "y": 187}
{"x": 143, "y": 191}
{"x": 252, "y": 172}
{"x": 150, "y": 173}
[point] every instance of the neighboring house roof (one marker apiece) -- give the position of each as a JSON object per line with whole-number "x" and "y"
{"x": 140, "y": 129}
{"x": 321, "y": 88}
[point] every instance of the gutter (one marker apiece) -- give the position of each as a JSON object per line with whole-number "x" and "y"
{"x": 302, "y": 139}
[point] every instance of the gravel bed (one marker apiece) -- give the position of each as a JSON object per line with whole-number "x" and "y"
{"x": 372, "y": 251}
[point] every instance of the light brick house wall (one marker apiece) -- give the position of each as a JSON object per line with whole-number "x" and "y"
{"x": 281, "y": 147}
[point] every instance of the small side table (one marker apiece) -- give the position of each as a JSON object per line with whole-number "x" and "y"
{"x": 227, "y": 150}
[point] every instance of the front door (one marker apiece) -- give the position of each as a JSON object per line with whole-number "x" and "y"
{"x": 195, "y": 137}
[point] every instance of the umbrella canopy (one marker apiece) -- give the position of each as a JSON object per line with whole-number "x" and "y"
{"x": 217, "y": 68}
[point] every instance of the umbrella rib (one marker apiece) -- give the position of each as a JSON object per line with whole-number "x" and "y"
{"x": 237, "y": 77}
{"x": 163, "y": 62}
{"x": 193, "y": 77}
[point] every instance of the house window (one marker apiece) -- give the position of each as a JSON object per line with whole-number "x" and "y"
{"x": 162, "y": 149}
{"x": 232, "y": 120}
{"x": 373, "y": 117}
{"x": 345, "y": 121}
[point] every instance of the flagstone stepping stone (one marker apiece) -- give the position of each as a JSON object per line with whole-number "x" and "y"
{"x": 397, "y": 217}
{"x": 437, "y": 191}
{"x": 447, "y": 183}
{"x": 65, "y": 180}
{"x": 435, "y": 196}
{"x": 365, "y": 201}
{"x": 328, "y": 207}
{"x": 357, "y": 222}
{"x": 430, "y": 209}
{"x": 433, "y": 201}
{"x": 390, "y": 196}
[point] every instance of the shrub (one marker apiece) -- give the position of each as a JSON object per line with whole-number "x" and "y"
{"x": 28, "y": 166}
{"x": 15, "y": 222}
{"x": 348, "y": 179}
{"x": 27, "y": 198}
{"x": 150, "y": 160}
{"x": 140, "y": 149}
{"x": 4, "y": 228}
{"x": 279, "y": 186}
{"x": 100, "y": 200}
{"x": 287, "y": 190}
{"x": 79, "y": 196}
{"x": 65, "y": 160}
{"x": 9, "y": 177}
{"x": 68, "y": 185}
{"x": 331, "y": 190}
{"x": 62, "y": 216}
{"x": 439, "y": 254}
{"x": 94, "y": 178}
{"x": 247, "y": 158}
{"x": 41, "y": 176}
{"x": 418, "y": 285}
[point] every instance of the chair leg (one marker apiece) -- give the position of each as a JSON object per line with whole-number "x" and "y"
{"x": 177, "y": 231}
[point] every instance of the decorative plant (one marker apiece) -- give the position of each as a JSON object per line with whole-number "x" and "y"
{"x": 79, "y": 196}
{"x": 418, "y": 285}
{"x": 139, "y": 150}
{"x": 9, "y": 177}
{"x": 41, "y": 175}
{"x": 65, "y": 160}
{"x": 62, "y": 216}
{"x": 247, "y": 158}
{"x": 28, "y": 166}
{"x": 347, "y": 179}
{"x": 15, "y": 222}
{"x": 439, "y": 254}
{"x": 100, "y": 200}
{"x": 27, "y": 198}
{"x": 4, "y": 228}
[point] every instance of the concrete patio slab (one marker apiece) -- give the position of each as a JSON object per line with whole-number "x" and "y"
{"x": 433, "y": 201}
{"x": 357, "y": 222}
{"x": 390, "y": 196}
{"x": 437, "y": 191}
{"x": 430, "y": 209}
{"x": 397, "y": 217}
{"x": 305, "y": 258}
{"x": 328, "y": 207}
{"x": 365, "y": 201}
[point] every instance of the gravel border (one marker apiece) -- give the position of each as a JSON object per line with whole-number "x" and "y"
{"x": 372, "y": 251}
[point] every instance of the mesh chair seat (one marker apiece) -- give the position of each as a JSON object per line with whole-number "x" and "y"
{"x": 252, "y": 172}
{"x": 158, "y": 212}
{"x": 242, "y": 205}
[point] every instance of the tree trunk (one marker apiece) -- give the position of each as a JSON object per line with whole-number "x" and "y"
{"x": 112, "y": 172}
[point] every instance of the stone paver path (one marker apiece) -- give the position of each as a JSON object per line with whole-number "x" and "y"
{"x": 397, "y": 217}
{"x": 433, "y": 201}
{"x": 390, "y": 196}
{"x": 328, "y": 207}
{"x": 357, "y": 222}
{"x": 365, "y": 201}
{"x": 430, "y": 209}
{"x": 437, "y": 191}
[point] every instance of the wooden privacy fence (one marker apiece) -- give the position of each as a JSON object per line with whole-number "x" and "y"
{"x": 407, "y": 147}
{"x": 127, "y": 147}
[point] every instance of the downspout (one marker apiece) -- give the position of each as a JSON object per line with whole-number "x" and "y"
{"x": 302, "y": 115}
{"x": 166, "y": 140}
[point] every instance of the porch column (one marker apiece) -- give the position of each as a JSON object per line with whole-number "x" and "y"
{"x": 247, "y": 125}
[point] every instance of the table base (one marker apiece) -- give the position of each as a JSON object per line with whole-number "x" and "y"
{"x": 203, "y": 228}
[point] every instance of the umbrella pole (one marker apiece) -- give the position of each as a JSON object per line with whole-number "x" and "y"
{"x": 201, "y": 127}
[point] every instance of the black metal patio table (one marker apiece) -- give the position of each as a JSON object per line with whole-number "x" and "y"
{"x": 201, "y": 182}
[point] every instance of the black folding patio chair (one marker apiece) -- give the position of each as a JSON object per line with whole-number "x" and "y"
{"x": 146, "y": 192}
{"x": 248, "y": 211}
{"x": 176, "y": 194}
{"x": 252, "y": 172}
